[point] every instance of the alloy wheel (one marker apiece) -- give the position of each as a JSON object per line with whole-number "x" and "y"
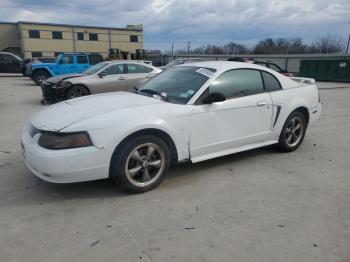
{"x": 294, "y": 131}
{"x": 41, "y": 78}
{"x": 78, "y": 92}
{"x": 145, "y": 164}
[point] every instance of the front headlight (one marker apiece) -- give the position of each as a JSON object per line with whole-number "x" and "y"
{"x": 54, "y": 140}
{"x": 62, "y": 84}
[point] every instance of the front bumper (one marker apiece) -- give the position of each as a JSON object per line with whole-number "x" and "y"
{"x": 63, "y": 166}
{"x": 52, "y": 94}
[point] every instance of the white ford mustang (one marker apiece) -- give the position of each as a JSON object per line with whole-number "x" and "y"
{"x": 190, "y": 112}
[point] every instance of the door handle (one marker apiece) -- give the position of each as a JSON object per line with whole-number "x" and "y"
{"x": 121, "y": 78}
{"x": 261, "y": 103}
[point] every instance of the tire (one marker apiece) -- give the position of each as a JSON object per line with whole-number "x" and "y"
{"x": 77, "y": 91}
{"x": 40, "y": 76}
{"x": 293, "y": 132}
{"x": 133, "y": 157}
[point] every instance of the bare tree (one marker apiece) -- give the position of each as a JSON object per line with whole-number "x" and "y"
{"x": 280, "y": 46}
{"x": 265, "y": 46}
{"x": 233, "y": 48}
{"x": 296, "y": 46}
{"x": 328, "y": 44}
{"x": 199, "y": 50}
{"x": 325, "y": 44}
{"x": 215, "y": 50}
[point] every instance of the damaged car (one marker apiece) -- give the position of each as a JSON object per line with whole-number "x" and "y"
{"x": 103, "y": 77}
{"x": 192, "y": 112}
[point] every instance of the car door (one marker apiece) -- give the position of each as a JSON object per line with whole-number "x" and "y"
{"x": 66, "y": 65}
{"x": 137, "y": 74}
{"x": 244, "y": 118}
{"x": 112, "y": 78}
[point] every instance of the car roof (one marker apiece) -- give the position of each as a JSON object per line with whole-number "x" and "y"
{"x": 224, "y": 65}
{"x": 7, "y": 53}
{"x": 12, "y": 54}
{"x": 126, "y": 61}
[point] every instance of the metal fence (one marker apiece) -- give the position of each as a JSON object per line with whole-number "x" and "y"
{"x": 291, "y": 63}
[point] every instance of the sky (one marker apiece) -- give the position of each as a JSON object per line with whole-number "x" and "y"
{"x": 199, "y": 21}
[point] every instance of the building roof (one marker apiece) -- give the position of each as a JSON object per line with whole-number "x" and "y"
{"x": 138, "y": 27}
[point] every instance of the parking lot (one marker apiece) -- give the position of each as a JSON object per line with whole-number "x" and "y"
{"x": 259, "y": 205}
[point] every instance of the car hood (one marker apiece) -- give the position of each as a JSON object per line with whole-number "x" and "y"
{"x": 40, "y": 64}
{"x": 56, "y": 79}
{"x": 64, "y": 114}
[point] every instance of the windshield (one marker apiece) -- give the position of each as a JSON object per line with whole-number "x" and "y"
{"x": 177, "y": 84}
{"x": 175, "y": 63}
{"x": 95, "y": 68}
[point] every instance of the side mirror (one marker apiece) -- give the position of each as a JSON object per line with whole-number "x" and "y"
{"x": 213, "y": 98}
{"x": 102, "y": 74}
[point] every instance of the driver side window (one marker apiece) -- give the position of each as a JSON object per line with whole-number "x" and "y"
{"x": 236, "y": 83}
{"x": 67, "y": 60}
{"x": 115, "y": 69}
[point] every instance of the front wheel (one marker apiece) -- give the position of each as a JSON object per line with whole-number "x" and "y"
{"x": 40, "y": 76}
{"x": 77, "y": 91}
{"x": 140, "y": 164}
{"x": 293, "y": 132}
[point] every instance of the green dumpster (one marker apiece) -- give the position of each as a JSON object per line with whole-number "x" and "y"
{"x": 337, "y": 70}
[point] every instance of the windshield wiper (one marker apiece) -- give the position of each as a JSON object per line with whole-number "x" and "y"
{"x": 153, "y": 92}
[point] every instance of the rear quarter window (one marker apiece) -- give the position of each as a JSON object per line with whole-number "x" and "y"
{"x": 148, "y": 69}
{"x": 275, "y": 68}
{"x": 270, "y": 82}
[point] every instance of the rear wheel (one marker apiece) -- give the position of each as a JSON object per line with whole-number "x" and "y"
{"x": 77, "y": 91}
{"x": 40, "y": 76}
{"x": 140, "y": 164}
{"x": 293, "y": 132}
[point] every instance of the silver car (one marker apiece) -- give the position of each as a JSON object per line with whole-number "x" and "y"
{"x": 107, "y": 76}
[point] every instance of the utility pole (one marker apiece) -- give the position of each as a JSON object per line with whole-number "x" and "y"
{"x": 188, "y": 46}
{"x": 172, "y": 48}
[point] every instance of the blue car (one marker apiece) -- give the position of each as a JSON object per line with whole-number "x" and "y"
{"x": 65, "y": 63}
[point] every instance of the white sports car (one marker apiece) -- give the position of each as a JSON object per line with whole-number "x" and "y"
{"x": 191, "y": 112}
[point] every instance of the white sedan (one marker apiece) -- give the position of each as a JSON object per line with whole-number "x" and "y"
{"x": 191, "y": 112}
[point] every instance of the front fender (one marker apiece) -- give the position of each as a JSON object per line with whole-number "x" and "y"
{"x": 43, "y": 69}
{"x": 120, "y": 128}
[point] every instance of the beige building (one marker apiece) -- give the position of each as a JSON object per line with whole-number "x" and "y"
{"x": 30, "y": 39}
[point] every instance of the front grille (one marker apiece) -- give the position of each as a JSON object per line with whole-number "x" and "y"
{"x": 52, "y": 94}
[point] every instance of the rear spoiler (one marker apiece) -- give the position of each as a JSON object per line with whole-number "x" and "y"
{"x": 303, "y": 80}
